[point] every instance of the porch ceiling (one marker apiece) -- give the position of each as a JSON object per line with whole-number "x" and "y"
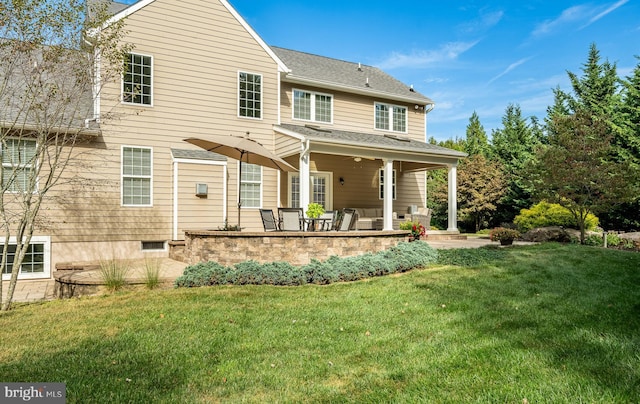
{"x": 415, "y": 155}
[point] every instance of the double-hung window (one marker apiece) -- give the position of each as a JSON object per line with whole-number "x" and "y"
{"x": 381, "y": 184}
{"x": 137, "y": 80}
{"x": 250, "y": 95}
{"x": 311, "y": 106}
{"x": 391, "y": 117}
{"x": 18, "y": 162}
{"x": 251, "y": 186}
{"x": 137, "y": 175}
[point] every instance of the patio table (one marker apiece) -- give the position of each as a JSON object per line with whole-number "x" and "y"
{"x": 316, "y": 223}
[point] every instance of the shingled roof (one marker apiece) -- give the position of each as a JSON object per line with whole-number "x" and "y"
{"x": 347, "y": 76}
{"x": 357, "y": 139}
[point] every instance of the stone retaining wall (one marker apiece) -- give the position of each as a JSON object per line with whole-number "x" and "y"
{"x": 297, "y": 248}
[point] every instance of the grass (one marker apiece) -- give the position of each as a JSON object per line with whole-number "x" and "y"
{"x": 152, "y": 272}
{"x": 547, "y": 323}
{"x": 114, "y": 273}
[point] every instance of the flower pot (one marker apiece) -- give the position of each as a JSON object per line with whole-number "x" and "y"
{"x": 506, "y": 242}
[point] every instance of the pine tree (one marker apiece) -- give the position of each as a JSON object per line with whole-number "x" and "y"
{"x": 514, "y": 146}
{"x": 477, "y": 142}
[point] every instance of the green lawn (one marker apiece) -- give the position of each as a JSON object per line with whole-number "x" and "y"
{"x": 547, "y": 323}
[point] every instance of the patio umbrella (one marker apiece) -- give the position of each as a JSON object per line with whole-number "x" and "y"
{"x": 242, "y": 149}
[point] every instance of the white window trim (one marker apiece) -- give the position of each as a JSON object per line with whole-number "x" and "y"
{"x": 380, "y": 183}
{"x": 391, "y": 106}
{"x": 240, "y": 182}
{"x": 328, "y": 174}
{"x": 122, "y": 101}
{"x": 46, "y": 241}
{"x": 312, "y": 106}
{"x": 261, "y": 95}
{"x": 122, "y": 204}
{"x": 11, "y": 167}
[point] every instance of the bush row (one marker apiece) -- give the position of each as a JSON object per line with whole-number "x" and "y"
{"x": 403, "y": 257}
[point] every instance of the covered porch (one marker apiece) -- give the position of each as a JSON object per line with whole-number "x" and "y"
{"x": 342, "y": 169}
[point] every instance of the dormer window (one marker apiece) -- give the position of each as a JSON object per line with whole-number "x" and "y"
{"x": 390, "y": 117}
{"x": 312, "y": 106}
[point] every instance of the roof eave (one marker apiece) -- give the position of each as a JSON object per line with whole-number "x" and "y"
{"x": 368, "y": 91}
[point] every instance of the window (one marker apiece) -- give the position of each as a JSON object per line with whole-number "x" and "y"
{"x": 320, "y": 189}
{"x": 18, "y": 159}
{"x": 136, "y": 176}
{"x": 251, "y": 186}
{"x": 381, "y": 184}
{"x": 391, "y": 117}
{"x": 136, "y": 82}
{"x": 311, "y": 106}
{"x": 250, "y": 96}
{"x": 36, "y": 261}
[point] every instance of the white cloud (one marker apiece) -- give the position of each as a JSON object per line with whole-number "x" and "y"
{"x": 567, "y": 16}
{"x": 424, "y": 58}
{"x": 576, "y": 14}
{"x": 613, "y": 7}
{"x": 483, "y": 23}
{"x": 509, "y": 68}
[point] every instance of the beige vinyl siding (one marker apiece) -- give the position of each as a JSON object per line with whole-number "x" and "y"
{"x": 198, "y": 48}
{"x": 353, "y": 112}
{"x": 200, "y": 212}
{"x": 360, "y": 187}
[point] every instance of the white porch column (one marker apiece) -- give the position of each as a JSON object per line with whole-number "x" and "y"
{"x": 304, "y": 179}
{"x": 452, "y": 198}
{"x": 387, "y": 220}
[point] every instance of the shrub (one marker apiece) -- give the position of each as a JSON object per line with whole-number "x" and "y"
{"x": 202, "y": 274}
{"x": 403, "y": 257}
{"x": 594, "y": 240}
{"x": 546, "y": 214}
{"x": 613, "y": 240}
{"x": 503, "y": 233}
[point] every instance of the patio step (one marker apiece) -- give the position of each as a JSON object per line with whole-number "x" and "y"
{"x": 444, "y": 235}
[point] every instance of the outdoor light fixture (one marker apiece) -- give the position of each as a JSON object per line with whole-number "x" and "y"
{"x": 341, "y": 181}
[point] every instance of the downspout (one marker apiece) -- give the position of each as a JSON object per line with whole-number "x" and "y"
{"x": 175, "y": 199}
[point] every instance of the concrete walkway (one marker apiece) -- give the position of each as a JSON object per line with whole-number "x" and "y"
{"x": 39, "y": 290}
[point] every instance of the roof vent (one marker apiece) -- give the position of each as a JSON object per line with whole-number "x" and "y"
{"x": 359, "y": 67}
{"x": 411, "y": 89}
{"x": 367, "y": 83}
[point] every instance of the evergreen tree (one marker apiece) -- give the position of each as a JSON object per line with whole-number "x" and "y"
{"x": 597, "y": 89}
{"x": 477, "y": 142}
{"x": 514, "y": 146}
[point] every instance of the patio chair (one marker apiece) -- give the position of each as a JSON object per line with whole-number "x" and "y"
{"x": 291, "y": 219}
{"x": 347, "y": 220}
{"x": 268, "y": 220}
{"x": 330, "y": 223}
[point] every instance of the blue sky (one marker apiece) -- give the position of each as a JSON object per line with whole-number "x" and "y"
{"x": 465, "y": 55}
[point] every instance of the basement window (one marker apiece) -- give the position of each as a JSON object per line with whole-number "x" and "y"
{"x": 153, "y": 246}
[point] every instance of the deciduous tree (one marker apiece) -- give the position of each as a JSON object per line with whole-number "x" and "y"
{"x": 577, "y": 170}
{"x": 48, "y": 80}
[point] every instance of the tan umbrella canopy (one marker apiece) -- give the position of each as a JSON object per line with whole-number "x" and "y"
{"x": 243, "y": 149}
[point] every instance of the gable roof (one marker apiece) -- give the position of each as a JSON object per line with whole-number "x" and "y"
{"x": 128, "y": 10}
{"x": 326, "y": 72}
